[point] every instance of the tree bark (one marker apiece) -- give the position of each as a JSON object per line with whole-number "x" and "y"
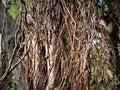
{"x": 59, "y": 35}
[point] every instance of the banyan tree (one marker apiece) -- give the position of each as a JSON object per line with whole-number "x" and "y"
{"x": 62, "y": 45}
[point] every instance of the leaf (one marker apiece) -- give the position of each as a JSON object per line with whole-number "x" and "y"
{"x": 13, "y": 11}
{"x": 22, "y": 45}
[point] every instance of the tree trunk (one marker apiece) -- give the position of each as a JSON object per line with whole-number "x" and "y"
{"x": 66, "y": 47}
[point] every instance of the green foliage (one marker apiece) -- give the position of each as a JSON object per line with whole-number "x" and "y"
{"x": 14, "y": 9}
{"x": 22, "y": 45}
{"x": 21, "y": 48}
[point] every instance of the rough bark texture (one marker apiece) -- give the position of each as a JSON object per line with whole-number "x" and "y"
{"x": 59, "y": 36}
{"x": 60, "y": 53}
